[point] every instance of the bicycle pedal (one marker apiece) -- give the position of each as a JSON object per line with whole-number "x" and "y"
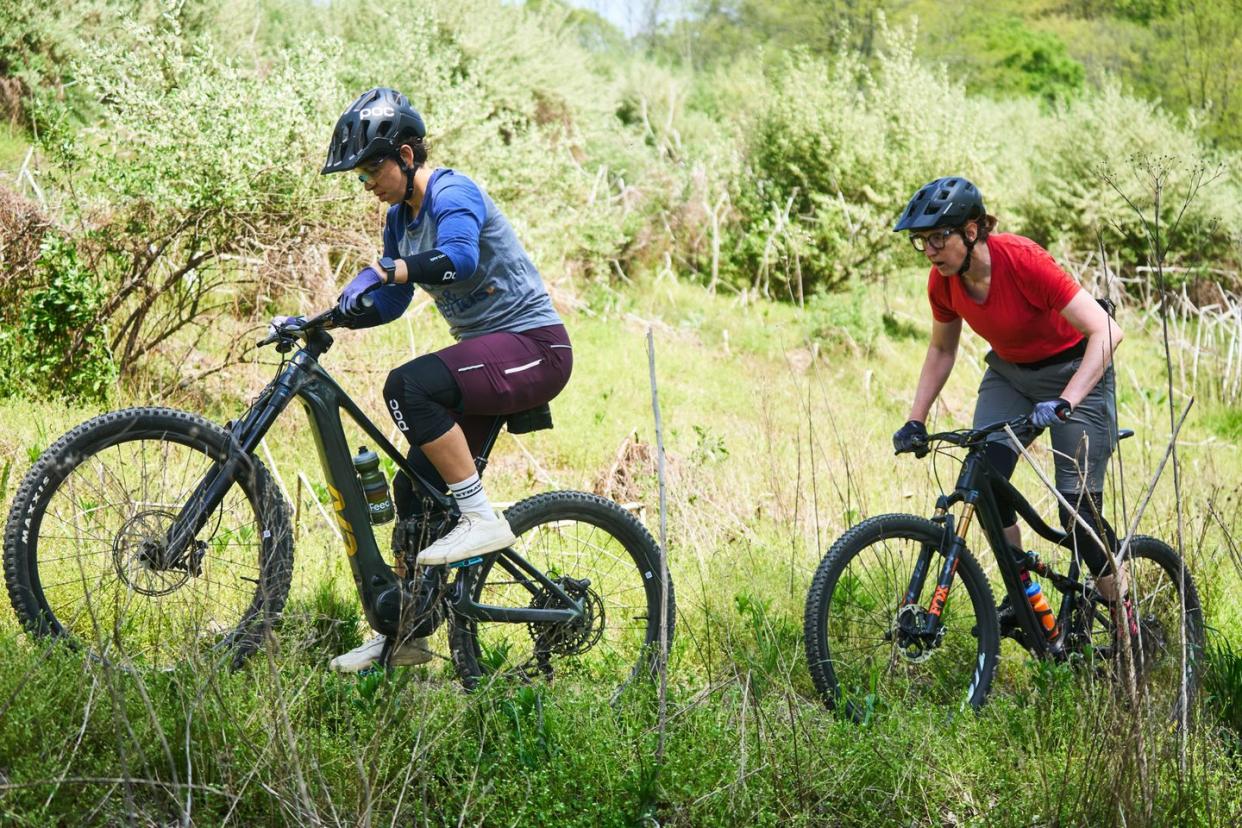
{"x": 478, "y": 559}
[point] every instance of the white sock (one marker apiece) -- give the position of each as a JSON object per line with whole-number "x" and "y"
{"x": 471, "y": 497}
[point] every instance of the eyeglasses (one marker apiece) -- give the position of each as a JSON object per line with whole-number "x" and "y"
{"x": 367, "y": 174}
{"x": 936, "y": 239}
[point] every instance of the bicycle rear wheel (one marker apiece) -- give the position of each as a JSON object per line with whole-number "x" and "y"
{"x": 599, "y": 554}
{"x": 858, "y": 635}
{"x": 1166, "y": 629}
{"x": 83, "y": 546}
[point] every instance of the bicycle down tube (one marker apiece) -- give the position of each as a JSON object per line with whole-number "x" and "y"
{"x": 976, "y": 489}
{"x": 380, "y": 590}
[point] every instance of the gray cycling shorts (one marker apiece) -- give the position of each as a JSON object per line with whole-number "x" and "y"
{"x": 1082, "y": 445}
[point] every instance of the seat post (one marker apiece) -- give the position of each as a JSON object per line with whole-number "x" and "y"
{"x": 480, "y": 462}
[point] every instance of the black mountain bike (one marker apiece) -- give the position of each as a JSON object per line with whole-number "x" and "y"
{"x": 879, "y": 631}
{"x": 152, "y": 536}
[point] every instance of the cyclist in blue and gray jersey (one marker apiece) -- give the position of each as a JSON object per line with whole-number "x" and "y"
{"x": 445, "y": 233}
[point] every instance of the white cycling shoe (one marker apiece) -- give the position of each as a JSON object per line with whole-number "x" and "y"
{"x": 408, "y": 654}
{"x": 473, "y": 535}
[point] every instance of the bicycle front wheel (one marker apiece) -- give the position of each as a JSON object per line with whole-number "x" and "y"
{"x": 602, "y": 557}
{"x": 84, "y": 545}
{"x": 863, "y": 643}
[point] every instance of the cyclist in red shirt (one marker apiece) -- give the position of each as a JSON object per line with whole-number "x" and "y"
{"x": 1052, "y": 348}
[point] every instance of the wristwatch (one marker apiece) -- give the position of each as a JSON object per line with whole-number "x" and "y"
{"x": 389, "y": 265}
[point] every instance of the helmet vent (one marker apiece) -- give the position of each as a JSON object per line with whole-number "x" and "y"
{"x": 945, "y": 202}
{"x": 384, "y": 128}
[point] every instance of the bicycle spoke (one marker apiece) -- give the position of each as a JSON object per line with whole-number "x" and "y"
{"x": 590, "y": 563}
{"x": 872, "y": 649}
{"x": 100, "y": 575}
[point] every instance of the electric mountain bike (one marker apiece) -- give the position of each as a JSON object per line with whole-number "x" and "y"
{"x": 900, "y": 609}
{"x": 152, "y": 535}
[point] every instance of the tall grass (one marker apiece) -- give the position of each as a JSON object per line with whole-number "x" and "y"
{"x": 774, "y": 447}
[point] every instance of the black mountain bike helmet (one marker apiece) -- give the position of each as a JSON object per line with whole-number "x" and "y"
{"x": 945, "y": 202}
{"x": 373, "y": 128}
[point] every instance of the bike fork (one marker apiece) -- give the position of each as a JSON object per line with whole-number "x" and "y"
{"x": 211, "y": 490}
{"x": 955, "y": 535}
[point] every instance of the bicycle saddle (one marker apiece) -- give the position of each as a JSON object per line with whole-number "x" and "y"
{"x": 532, "y": 419}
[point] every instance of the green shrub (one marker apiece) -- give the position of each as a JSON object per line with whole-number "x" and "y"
{"x": 851, "y": 318}
{"x": 1222, "y": 685}
{"x": 194, "y": 160}
{"x": 58, "y": 345}
{"x": 1000, "y": 55}
{"x": 1118, "y": 135}
{"x": 831, "y": 159}
{"x": 836, "y": 149}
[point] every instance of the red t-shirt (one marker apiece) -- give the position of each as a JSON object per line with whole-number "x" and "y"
{"x": 1021, "y": 318}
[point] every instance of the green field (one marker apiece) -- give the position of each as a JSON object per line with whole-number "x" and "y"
{"x": 774, "y": 446}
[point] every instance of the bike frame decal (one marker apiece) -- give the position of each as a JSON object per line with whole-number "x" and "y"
{"x": 347, "y": 531}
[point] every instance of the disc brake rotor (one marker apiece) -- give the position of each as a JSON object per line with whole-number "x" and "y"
{"x": 913, "y": 644}
{"x": 140, "y": 556}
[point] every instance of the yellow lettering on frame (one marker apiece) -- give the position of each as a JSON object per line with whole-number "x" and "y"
{"x": 347, "y": 531}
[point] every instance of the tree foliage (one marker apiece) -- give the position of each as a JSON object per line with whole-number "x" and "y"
{"x": 180, "y": 143}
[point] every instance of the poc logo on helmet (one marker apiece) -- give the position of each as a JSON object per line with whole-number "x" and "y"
{"x": 382, "y": 111}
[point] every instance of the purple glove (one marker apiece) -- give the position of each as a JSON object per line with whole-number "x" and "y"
{"x": 1050, "y": 413}
{"x": 366, "y": 281}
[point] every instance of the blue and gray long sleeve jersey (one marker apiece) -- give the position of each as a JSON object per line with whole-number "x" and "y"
{"x": 493, "y": 286}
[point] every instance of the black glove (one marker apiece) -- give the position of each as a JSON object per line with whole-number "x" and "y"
{"x": 910, "y": 437}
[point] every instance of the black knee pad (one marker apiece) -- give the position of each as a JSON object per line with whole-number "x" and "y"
{"x": 1091, "y": 510}
{"x": 419, "y": 395}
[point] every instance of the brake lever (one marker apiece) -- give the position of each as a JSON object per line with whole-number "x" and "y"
{"x": 275, "y": 333}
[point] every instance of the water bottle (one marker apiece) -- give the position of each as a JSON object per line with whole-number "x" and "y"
{"x": 374, "y": 486}
{"x": 1039, "y": 603}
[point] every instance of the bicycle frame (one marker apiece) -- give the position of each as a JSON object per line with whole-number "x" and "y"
{"x": 384, "y": 596}
{"x": 980, "y": 489}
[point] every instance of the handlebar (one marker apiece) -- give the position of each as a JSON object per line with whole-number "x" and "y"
{"x": 969, "y": 437}
{"x": 286, "y": 333}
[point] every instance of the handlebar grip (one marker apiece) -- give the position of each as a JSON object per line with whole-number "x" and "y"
{"x": 919, "y": 449}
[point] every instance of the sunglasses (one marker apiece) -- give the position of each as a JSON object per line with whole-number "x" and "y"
{"x": 936, "y": 239}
